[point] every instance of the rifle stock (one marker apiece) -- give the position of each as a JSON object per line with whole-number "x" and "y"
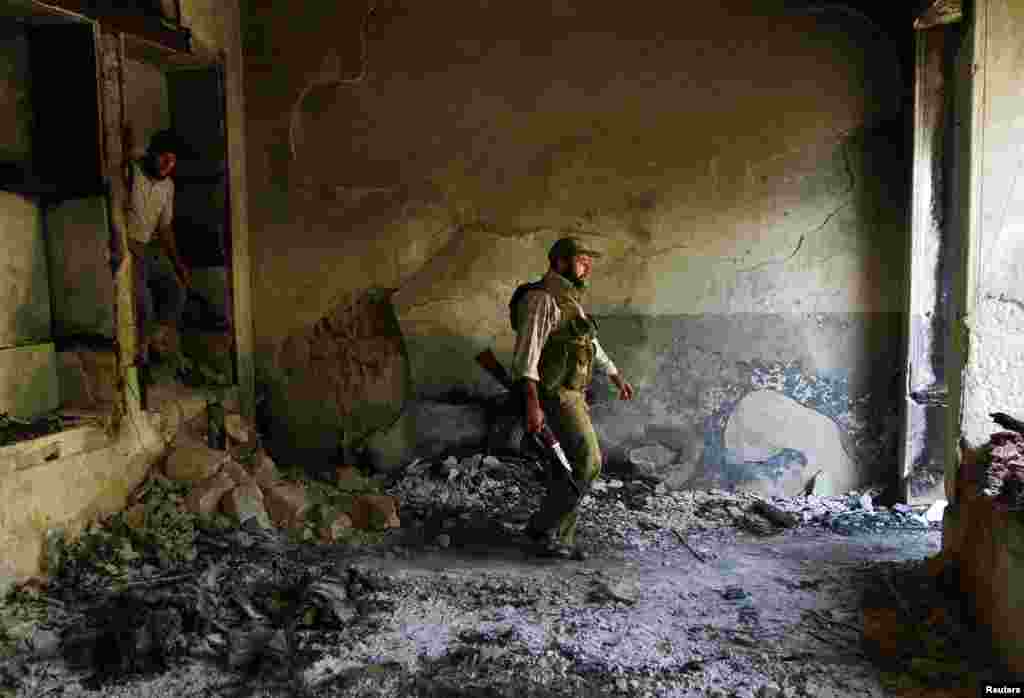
{"x": 489, "y": 362}
{"x": 546, "y": 438}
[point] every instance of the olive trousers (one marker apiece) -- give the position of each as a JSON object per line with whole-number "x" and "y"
{"x": 567, "y": 413}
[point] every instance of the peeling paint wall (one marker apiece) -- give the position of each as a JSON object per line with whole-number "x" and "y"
{"x": 741, "y": 167}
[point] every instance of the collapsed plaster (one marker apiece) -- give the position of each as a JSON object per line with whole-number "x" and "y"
{"x": 729, "y": 204}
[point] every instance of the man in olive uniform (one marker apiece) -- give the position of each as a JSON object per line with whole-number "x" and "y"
{"x": 556, "y": 349}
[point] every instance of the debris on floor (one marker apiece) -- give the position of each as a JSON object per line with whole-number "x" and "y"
{"x": 227, "y": 567}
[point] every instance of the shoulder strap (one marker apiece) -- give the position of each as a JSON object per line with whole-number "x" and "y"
{"x": 517, "y": 296}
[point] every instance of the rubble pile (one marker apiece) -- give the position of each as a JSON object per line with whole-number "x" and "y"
{"x": 635, "y": 514}
{"x": 1003, "y": 477}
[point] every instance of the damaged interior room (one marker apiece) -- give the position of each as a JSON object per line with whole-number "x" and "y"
{"x": 490, "y": 348}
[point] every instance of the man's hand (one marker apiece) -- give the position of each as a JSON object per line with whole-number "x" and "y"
{"x": 625, "y": 389}
{"x": 184, "y": 276}
{"x": 534, "y": 413}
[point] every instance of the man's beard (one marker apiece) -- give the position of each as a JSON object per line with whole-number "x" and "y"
{"x": 577, "y": 282}
{"x": 151, "y": 166}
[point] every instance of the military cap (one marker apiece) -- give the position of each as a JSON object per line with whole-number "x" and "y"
{"x": 570, "y": 247}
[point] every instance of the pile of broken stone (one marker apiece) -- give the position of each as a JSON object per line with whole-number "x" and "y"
{"x": 1003, "y": 478}
{"x": 632, "y": 511}
{"x": 243, "y": 483}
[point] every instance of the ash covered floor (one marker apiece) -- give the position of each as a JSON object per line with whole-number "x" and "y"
{"x": 684, "y": 594}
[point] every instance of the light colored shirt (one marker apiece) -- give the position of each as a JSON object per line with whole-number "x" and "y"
{"x": 150, "y": 204}
{"x": 539, "y": 315}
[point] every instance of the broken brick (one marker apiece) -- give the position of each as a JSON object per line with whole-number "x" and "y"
{"x": 193, "y": 463}
{"x": 205, "y": 497}
{"x": 237, "y": 428}
{"x": 333, "y": 531}
{"x": 237, "y": 472}
{"x": 375, "y": 512}
{"x": 264, "y": 472}
{"x": 287, "y": 504}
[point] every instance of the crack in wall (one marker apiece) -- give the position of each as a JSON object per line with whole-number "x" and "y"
{"x": 1003, "y": 298}
{"x": 330, "y": 76}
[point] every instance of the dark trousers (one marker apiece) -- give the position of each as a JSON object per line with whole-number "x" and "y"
{"x": 159, "y": 295}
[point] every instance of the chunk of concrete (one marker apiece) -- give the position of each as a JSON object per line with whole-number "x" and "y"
{"x": 237, "y": 472}
{"x": 287, "y": 504}
{"x": 264, "y": 471}
{"x": 193, "y": 462}
{"x": 766, "y": 422}
{"x": 336, "y": 528}
{"x": 375, "y": 512}
{"x": 205, "y": 497}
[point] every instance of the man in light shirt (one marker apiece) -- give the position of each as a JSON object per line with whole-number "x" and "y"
{"x": 555, "y": 353}
{"x": 161, "y": 277}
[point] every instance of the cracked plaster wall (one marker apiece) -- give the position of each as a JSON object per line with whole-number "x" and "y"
{"x": 741, "y": 168}
{"x": 993, "y": 330}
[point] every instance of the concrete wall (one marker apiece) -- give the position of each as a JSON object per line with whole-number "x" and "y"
{"x": 16, "y": 105}
{"x": 740, "y": 166}
{"x": 991, "y": 337}
{"x": 145, "y": 93}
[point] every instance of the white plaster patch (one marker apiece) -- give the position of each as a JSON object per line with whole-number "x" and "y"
{"x": 765, "y": 422}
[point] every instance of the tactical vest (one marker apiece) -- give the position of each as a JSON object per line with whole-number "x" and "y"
{"x": 567, "y": 360}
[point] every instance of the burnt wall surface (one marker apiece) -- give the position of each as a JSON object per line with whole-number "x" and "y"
{"x": 741, "y": 165}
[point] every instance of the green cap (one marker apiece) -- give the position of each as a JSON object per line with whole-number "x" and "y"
{"x": 570, "y": 247}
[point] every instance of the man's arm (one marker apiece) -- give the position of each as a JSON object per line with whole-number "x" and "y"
{"x": 605, "y": 363}
{"x": 538, "y": 314}
{"x": 167, "y": 239}
{"x": 171, "y": 248}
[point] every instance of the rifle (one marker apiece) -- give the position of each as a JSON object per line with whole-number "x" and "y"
{"x": 545, "y": 438}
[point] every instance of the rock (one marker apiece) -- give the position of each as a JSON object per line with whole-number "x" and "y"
{"x": 444, "y": 540}
{"x": 865, "y": 503}
{"x": 623, "y": 590}
{"x": 245, "y": 502}
{"x": 205, "y": 497}
{"x": 766, "y": 422}
{"x": 237, "y": 428}
{"x": 286, "y": 504}
{"x": 331, "y": 597}
{"x": 770, "y": 690}
{"x": 936, "y": 511}
{"x": 193, "y": 462}
{"x": 375, "y": 512}
{"x": 651, "y": 460}
{"x": 236, "y": 471}
{"x": 336, "y": 528}
{"x": 264, "y": 472}
{"x": 491, "y": 462}
{"x": 776, "y": 515}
